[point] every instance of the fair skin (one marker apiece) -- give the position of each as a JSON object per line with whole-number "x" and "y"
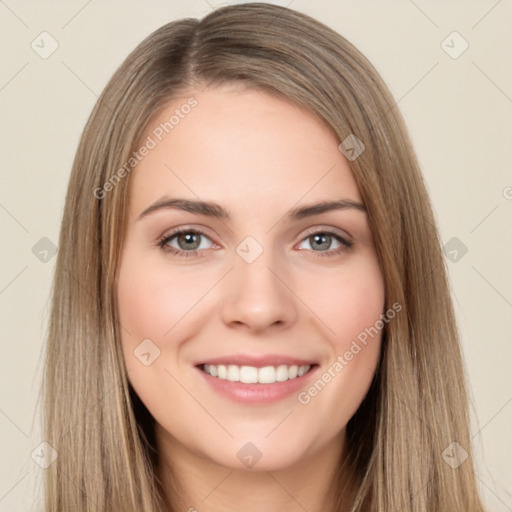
{"x": 303, "y": 297}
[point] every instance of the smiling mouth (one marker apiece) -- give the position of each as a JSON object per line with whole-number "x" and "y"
{"x": 256, "y": 375}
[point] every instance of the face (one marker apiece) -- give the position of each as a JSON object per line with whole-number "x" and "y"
{"x": 227, "y": 269}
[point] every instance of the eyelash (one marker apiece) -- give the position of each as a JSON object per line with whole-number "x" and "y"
{"x": 162, "y": 243}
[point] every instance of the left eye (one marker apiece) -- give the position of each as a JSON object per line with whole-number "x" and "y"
{"x": 322, "y": 241}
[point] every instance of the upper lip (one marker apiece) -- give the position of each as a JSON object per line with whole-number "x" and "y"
{"x": 257, "y": 361}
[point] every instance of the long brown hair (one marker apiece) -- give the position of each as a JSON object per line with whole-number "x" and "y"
{"x": 417, "y": 404}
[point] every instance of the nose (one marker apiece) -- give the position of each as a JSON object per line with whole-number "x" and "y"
{"x": 258, "y": 295}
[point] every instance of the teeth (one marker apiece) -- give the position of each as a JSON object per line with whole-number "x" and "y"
{"x": 222, "y": 371}
{"x": 248, "y": 374}
{"x": 253, "y": 375}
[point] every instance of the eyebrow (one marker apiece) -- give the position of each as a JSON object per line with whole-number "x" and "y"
{"x": 212, "y": 209}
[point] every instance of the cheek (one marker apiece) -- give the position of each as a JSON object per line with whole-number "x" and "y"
{"x": 152, "y": 299}
{"x": 348, "y": 301}
{"x": 165, "y": 305}
{"x": 147, "y": 310}
{"x": 156, "y": 306}
{"x": 350, "y": 310}
{"x": 145, "y": 306}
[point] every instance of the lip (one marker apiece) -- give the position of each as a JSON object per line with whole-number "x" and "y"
{"x": 257, "y": 394}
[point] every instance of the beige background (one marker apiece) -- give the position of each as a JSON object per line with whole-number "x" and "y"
{"x": 459, "y": 112}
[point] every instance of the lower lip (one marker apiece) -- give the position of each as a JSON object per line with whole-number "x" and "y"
{"x": 257, "y": 393}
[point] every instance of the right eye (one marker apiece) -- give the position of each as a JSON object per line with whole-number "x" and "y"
{"x": 187, "y": 242}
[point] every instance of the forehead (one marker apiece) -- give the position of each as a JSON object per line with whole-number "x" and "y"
{"x": 242, "y": 147}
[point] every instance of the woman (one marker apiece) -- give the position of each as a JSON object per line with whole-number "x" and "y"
{"x": 250, "y": 298}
